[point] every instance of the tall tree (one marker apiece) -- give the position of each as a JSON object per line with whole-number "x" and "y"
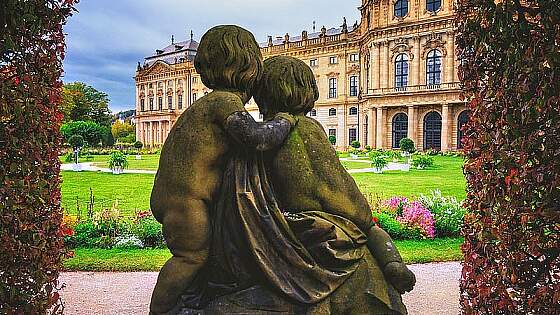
{"x": 81, "y": 102}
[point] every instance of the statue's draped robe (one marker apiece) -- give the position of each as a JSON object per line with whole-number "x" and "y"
{"x": 306, "y": 256}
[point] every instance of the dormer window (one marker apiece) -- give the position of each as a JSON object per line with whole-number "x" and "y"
{"x": 159, "y": 51}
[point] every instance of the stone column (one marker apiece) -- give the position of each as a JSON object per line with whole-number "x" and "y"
{"x": 450, "y": 64}
{"x": 379, "y": 129}
{"x": 417, "y": 61}
{"x": 371, "y": 129}
{"x": 385, "y": 64}
{"x": 445, "y": 127}
{"x": 376, "y": 67}
{"x": 412, "y": 123}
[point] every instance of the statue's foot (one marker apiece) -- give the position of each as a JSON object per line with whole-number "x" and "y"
{"x": 400, "y": 276}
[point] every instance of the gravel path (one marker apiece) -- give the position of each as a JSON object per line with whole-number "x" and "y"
{"x": 436, "y": 291}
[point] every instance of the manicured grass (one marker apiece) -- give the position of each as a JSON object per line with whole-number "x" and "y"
{"x": 412, "y": 251}
{"x": 436, "y": 250}
{"x": 148, "y": 162}
{"x": 86, "y": 259}
{"x": 349, "y": 165}
{"x": 130, "y": 191}
{"x": 446, "y": 175}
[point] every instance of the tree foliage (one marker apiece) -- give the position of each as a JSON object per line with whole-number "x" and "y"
{"x": 31, "y": 244}
{"x": 81, "y": 102}
{"x": 510, "y": 72}
{"x": 93, "y": 133}
{"x": 123, "y": 132}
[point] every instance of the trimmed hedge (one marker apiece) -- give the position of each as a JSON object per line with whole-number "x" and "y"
{"x": 31, "y": 244}
{"x": 510, "y": 73}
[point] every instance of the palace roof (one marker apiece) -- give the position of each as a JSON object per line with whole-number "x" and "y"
{"x": 175, "y": 53}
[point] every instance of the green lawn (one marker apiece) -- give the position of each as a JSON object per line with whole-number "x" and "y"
{"x": 418, "y": 251}
{"x": 132, "y": 191}
{"x": 446, "y": 175}
{"x": 148, "y": 162}
{"x": 349, "y": 165}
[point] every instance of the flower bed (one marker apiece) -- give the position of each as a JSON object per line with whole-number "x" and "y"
{"x": 429, "y": 216}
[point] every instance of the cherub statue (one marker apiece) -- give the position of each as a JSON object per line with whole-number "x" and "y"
{"x": 196, "y": 152}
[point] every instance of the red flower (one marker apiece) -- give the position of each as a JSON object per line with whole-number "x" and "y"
{"x": 375, "y": 220}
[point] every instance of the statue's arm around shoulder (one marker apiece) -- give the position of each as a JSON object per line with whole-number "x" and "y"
{"x": 261, "y": 136}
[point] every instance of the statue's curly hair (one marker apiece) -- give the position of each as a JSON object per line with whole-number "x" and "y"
{"x": 228, "y": 57}
{"x": 287, "y": 85}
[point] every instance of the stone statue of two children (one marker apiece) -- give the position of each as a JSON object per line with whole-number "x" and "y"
{"x": 262, "y": 217}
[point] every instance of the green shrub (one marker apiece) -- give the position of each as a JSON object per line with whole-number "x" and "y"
{"x": 355, "y": 144}
{"x": 389, "y": 223}
{"x": 332, "y": 139}
{"x": 76, "y": 141}
{"x": 448, "y": 213}
{"x": 422, "y": 161}
{"x": 379, "y": 162}
{"x": 117, "y": 159}
{"x": 368, "y": 148}
{"x": 407, "y": 145}
{"x": 138, "y": 145}
{"x": 149, "y": 231}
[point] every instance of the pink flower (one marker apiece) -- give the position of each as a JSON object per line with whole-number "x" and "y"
{"x": 415, "y": 215}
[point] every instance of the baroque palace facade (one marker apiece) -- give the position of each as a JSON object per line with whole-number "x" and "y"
{"x": 394, "y": 75}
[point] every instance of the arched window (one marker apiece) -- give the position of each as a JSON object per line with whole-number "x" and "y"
{"x": 432, "y": 131}
{"x": 462, "y": 121}
{"x": 332, "y": 111}
{"x": 353, "y": 111}
{"x": 433, "y": 67}
{"x": 401, "y": 71}
{"x": 313, "y": 112}
{"x": 400, "y": 128}
{"x": 401, "y": 8}
{"x": 433, "y": 5}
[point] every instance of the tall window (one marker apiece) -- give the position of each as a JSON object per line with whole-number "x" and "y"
{"x": 401, "y": 71}
{"x": 160, "y": 103}
{"x": 433, "y": 67}
{"x": 433, "y": 5}
{"x": 352, "y": 135}
{"x": 180, "y": 102}
{"x": 400, "y": 128}
{"x": 194, "y": 97}
{"x": 170, "y": 102}
{"x": 461, "y": 122}
{"x": 354, "y": 57}
{"x": 141, "y": 105}
{"x": 151, "y": 103}
{"x": 432, "y": 131}
{"x": 332, "y": 111}
{"x": 354, "y": 85}
{"x": 333, "y": 60}
{"x": 313, "y": 112}
{"x": 313, "y": 63}
{"x": 401, "y": 8}
{"x": 353, "y": 111}
{"x": 332, "y": 87}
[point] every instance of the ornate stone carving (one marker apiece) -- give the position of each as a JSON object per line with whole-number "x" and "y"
{"x": 402, "y": 46}
{"x": 434, "y": 41}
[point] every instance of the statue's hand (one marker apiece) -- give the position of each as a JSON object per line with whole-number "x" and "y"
{"x": 400, "y": 276}
{"x": 287, "y": 117}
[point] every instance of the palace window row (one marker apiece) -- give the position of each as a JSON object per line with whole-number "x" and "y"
{"x": 433, "y": 69}
{"x": 401, "y": 7}
{"x": 432, "y": 126}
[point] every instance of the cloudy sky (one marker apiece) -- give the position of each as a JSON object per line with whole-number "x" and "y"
{"x": 107, "y": 38}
